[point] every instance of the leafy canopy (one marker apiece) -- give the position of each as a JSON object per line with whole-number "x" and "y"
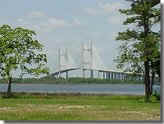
{"x": 138, "y": 46}
{"x": 19, "y": 50}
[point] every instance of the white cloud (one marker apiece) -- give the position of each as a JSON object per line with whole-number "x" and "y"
{"x": 110, "y": 10}
{"x": 92, "y": 11}
{"x": 115, "y": 19}
{"x": 105, "y": 8}
{"x": 36, "y": 14}
{"x": 36, "y": 27}
{"x": 40, "y": 22}
{"x": 20, "y": 20}
{"x": 76, "y": 21}
{"x": 54, "y": 22}
{"x": 111, "y": 7}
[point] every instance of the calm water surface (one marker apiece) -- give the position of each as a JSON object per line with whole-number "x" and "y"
{"x": 136, "y": 89}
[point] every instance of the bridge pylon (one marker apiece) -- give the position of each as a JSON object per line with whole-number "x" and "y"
{"x": 62, "y": 54}
{"x": 87, "y": 64}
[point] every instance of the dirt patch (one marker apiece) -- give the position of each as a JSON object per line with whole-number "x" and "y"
{"x": 73, "y": 107}
{"x": 7, "y": 108}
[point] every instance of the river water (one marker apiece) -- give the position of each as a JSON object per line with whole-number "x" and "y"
{"x": 133, "y": 89}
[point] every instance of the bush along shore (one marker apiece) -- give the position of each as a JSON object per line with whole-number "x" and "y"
{"x": 77, "y": 80}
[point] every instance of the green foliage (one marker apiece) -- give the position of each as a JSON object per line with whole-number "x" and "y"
{"x": 139, "y": 43}
{"x": 157, "y": 96}
{"x": 74, "y": 80}
{"x": 20, "y": 50}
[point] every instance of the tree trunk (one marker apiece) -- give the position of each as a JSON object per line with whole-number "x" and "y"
{"x": 146, "y": 54}
{"x": 9, "y": 86}
{"x": 147, "y": 81}
{"x": 152, "y": 82}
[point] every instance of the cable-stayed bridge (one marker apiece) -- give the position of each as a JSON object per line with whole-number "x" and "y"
{"x": 90, "y": 61}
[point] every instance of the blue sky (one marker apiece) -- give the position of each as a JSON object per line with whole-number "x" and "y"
{"x": 68, "y": 23}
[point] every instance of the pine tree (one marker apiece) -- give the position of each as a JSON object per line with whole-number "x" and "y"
{"x": 140, "y": 44}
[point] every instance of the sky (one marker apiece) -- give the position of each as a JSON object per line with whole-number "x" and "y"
{"x": 68, "y": 24}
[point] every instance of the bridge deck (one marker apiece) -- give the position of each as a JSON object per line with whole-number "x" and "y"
{"x": 100, "y": 70}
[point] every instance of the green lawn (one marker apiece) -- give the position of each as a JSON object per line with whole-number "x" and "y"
{"x": 78, "y": 107}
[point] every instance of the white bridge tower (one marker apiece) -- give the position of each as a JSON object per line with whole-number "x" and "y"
{"x": 87, "y": 64}
{"x": 62, "y": 60}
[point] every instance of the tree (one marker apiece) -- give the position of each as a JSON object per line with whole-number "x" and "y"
{"x": 140, "y": 42}
{"x": 20, "y": 51}
{"x": 155, "y": 67}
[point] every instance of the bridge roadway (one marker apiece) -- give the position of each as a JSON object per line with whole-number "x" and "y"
{"x": 65, "y": 70}
{"x": 107, "y": 74}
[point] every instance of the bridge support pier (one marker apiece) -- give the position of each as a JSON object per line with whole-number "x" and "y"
{"x": 119, "y": 76}
{"x": 92, "y": 75}
{"x": 59, "y": 75}
{"x": 111, "y": 75}
{"x": 103, "y": 75}
{"x": 123, "y": 76}
{"x": 66, "y": 74}
{"x": 116, "y": 76}
{"x": 98, "y": 74}
{"x": 83, "y": 71}
{"x": 126, "y": 76}
{"x": 107, "y": 75}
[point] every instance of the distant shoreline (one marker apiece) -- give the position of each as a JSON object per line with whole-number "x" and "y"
{"x": 70, "y": 83}
{"x": 69, "y": 94}
{"x": 74, "y": 81}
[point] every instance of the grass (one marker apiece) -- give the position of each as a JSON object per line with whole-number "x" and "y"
{"x": 27, "y": 106}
